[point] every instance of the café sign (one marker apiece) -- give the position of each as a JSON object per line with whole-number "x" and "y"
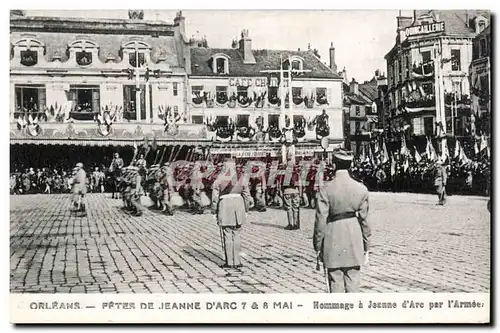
{"x": 424, "y": 29}
{"x": 247, "y": 82}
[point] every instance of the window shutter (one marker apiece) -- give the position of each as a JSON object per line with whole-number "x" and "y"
{"x": 41, "y": 98}
{"x": 96, "y": 106}
{"x": 126, "y": 98}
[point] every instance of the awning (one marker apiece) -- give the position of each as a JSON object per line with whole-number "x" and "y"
{"x": 104, "y": 142}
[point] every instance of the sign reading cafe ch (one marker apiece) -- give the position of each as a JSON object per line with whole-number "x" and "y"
{"x": 272, "y": 81}
{"x": 424, "y": 29}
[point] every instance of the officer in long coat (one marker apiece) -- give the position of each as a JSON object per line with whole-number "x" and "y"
{"x": 116, "y": 169}
{"x": 440, "y": 179}
{"x": 230, "y": 203}
{"x": 341, "y": 231}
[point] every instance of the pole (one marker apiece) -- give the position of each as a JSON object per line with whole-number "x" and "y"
{"x": 290, "y": 101}
{"x": 453, "y": 110}
{"x": 137, "y": 88}
{"x": 282, "y": 97}
{"x": 147, "y": 102}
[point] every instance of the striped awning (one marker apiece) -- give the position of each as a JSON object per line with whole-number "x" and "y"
{"x": 105, "y": 142}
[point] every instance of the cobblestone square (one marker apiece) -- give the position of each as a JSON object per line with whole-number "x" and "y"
{"x": 417, "y": 247}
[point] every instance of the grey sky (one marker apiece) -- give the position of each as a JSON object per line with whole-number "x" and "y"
{"x": 361, "y": 37}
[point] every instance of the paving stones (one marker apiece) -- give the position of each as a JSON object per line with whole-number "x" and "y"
{"x": 417, "y": 247}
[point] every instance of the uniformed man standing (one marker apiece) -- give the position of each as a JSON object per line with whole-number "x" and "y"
{"x": 291, "y": 187}
{"x": 79, "y": 187}
{"x": 116, "y": 169}
{"x": 440, "y": 178}
{"x": 230, "y": 203}
{"x": 341, "y": 231}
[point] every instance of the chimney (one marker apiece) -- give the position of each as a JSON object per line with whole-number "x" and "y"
{"x": 333, "y": 65}
{"x": 246, "y": 48}
{"x": 414, "y": 16}
{"x": 377, "y": 73}
{"x": 353, "y": 87}
{"x": 181, "y": 22}
{"x": 467, "y": 23}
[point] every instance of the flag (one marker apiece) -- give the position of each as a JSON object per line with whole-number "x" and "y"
{"x": 444, "y": 152}
{"x": 362, "y": 156}
{"x": 376, "y": 148}
{"x": 393, "y": 165}
{"x": 406, "y": 164}
{"x": 404, "y": 149}
{"x": 433, "y": 155}
{"x": 386, "y": 154}
{"x": 458, "y": 150}
{"x": 428, "y": 148}
{"x": 30, "y": 119}
{"x": 154, "y": 144}
{"x": 476, "y": 148}
{"x": 135, "y": 147}
{"x": 417, "y": 155}
{"x": 484, "y": 143}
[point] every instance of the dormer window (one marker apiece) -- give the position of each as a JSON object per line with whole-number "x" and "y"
{"x": 83, "y": 51}
{"x": 481, "y": 25}
{"x": 137, "y": 52}
{"x": 220, "y": 64}
{"x": 29, "y": 51}
{"x": 297, "y": 63}
{"x": 137, "y": 56}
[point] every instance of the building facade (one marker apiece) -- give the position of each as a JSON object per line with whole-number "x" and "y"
{"x": 428, "y": 70}
{"x": 480, "y": 82}
{"x": 244, "y": 96}
{"x": 91, "y": 84}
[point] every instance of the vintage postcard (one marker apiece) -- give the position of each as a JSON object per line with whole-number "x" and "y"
{"x": 194, "y": 166}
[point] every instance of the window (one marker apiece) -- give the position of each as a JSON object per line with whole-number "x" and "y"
{"x": 417, "y": 126}
{"x": 242, "y": 120}
{"x": 197, "y": 119}
{"x": 30, "y": 50}
{"x": 242, "y": 91}
{"x": 400, "y": 72}
{"x": 29, "y": 58}
{"x": 130, "y": 102}
{"x": 481, "y": 25}
{"x": 175, "y": 89}
{"x": 457, "y": 88}
{"x": 485, "y": 86}
{"x": 368, "y": 109}
{"x": 30, "y": 98}
{"x": 429, "y": 126}
{"x": 137, "y": 55}
{"x": 455, "y": 60}
{"x": 357, "y": 126}
{"x": 296, "y": 64}
{"x": 196, "y": 91}
{"x": 482, "y": 48}
{"x": 176, "y": 109}
{"x": 220, "y": 64}
{"x": 358, "y": 111}
{"x": 428, "y": 88}
{"x": 85, "y": 98}
{"x": 297, "y": 92}
{"x": 320, "y": 93}
{"x": 222, "y": 120}
{"x": 407, "y": 66}
{"x": 83, "y": 58}
{"x": 273, "y": 120}
{"x": 221, "y": 94}
{"x": 426, "y": 56}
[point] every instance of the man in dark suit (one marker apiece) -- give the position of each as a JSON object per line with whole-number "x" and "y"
{"x": 230, "y": 203}
{"x": 341, "y": 231}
